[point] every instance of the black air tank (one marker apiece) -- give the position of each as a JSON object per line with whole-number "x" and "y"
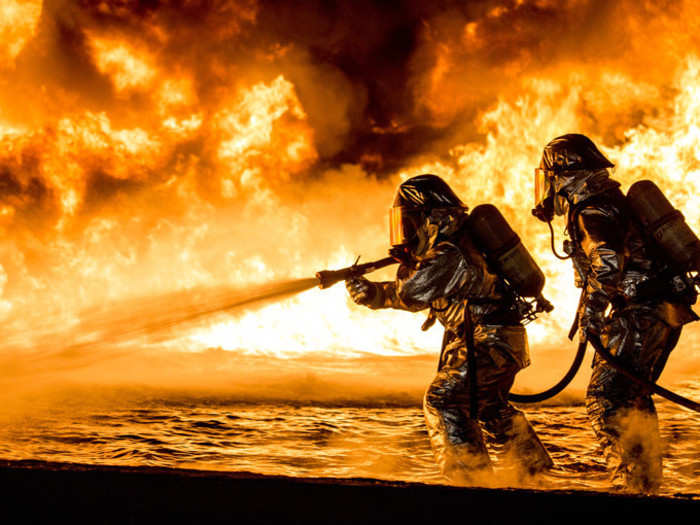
{"x": 504, "y": 251}
{"x": 665, "y": 224}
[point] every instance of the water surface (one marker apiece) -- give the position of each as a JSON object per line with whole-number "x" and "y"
{"x": 383, "y": 439}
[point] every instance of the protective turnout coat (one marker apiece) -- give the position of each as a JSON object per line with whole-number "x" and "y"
{"x": 446, "y": 274}
{"x": 619, "y": 269}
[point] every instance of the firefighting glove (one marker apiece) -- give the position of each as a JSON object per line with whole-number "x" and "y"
{"x": 361, "y": 290}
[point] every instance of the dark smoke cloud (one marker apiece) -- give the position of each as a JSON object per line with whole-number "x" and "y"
{"x": 375, "y": 58}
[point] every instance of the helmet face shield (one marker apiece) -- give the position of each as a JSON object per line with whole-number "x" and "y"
{"x": 541, "y": 186}
{"x": 403, "y": 224}
{"x": 543, "y": 209}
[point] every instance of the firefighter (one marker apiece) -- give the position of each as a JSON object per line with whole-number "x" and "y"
{"x": 633, "y": 302}
{"x": 442, "y": 271}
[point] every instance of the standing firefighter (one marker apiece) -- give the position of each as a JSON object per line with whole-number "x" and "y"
{"x": 442, "y": 270}
{"x": 617, "y": 267}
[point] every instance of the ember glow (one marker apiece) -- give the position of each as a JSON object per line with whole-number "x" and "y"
{"x": 152, "y": 149}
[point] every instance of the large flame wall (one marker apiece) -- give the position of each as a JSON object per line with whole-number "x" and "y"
{"x": 151, "y": 147}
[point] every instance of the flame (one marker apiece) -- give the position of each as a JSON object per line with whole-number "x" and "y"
{"x": 18, "y": 21}
{"x": 128, "y": 67}
{"x": 163, "y": 163}
{"x": 247, "y": 130}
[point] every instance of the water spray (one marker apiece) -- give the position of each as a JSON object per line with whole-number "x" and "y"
{"x": 135, "y": 318}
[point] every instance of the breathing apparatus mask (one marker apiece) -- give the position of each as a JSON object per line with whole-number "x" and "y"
{"x": 565, "y": 160}
{"x": 550, "y": 195}
{"x": 418, "y": 199}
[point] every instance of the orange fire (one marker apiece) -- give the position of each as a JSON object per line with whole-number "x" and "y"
{"x": 167, "y": 174}
{"x": 18, "y": 20}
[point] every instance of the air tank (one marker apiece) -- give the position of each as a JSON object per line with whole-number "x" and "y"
{"x": 504, "y": 251}
{"x": 665, "y": 224}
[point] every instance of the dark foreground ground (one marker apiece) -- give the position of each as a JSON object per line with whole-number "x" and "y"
{"x": 41, "y": 492}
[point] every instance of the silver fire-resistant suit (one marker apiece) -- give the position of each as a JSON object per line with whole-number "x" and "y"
{"x": 445, "y": 274}
{"x": 619, "y": 269}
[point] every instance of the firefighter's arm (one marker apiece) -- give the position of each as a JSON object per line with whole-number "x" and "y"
{"x": 375, "y": 295}
{"x": 602, "y": 240}
{"x": 440, "y": 274}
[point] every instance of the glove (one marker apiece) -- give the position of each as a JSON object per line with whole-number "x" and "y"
{"x": 361, "y": 290}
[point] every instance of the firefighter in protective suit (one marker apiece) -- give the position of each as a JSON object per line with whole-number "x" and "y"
{"x": 442, "y": 271}
{"x": 618, "y": 269}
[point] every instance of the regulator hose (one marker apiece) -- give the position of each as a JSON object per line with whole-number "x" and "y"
{"x": 649, "y": 385}
{"x": 551, "y": 243}
{"x": 561, "y": 385}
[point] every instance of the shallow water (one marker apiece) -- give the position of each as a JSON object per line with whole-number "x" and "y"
{"x": 130, "y": 426}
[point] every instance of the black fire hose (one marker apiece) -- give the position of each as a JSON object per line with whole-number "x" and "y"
{"x": 561, "y": 385}
{"x": 573, "y": 369}
{"x": 649, "y": 385}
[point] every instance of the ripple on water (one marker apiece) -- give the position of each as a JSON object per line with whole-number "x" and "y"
{"x": 388, "y": 443}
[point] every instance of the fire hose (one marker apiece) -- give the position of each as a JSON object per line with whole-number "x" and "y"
{"x": 650, "y": 386}
{"x": 573, "y": 369}
{"x": 561, "y": 385}
{"x": 611, "y": 360}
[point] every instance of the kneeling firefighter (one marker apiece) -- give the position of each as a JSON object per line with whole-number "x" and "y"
{"x": 620, "y": 266}
{"x": 441, "y": 269}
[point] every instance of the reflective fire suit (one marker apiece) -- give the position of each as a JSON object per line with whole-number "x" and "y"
{"x": 618, "y": 268}
{"x": 446, "y": 275}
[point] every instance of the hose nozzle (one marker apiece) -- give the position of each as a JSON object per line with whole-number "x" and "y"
{"x": 327, "y": 278}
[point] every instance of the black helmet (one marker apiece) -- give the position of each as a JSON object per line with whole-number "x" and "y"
{"x": 573, "y": 152}
{"x": 564, "y": 156}
{"x": 415, "y": 199}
